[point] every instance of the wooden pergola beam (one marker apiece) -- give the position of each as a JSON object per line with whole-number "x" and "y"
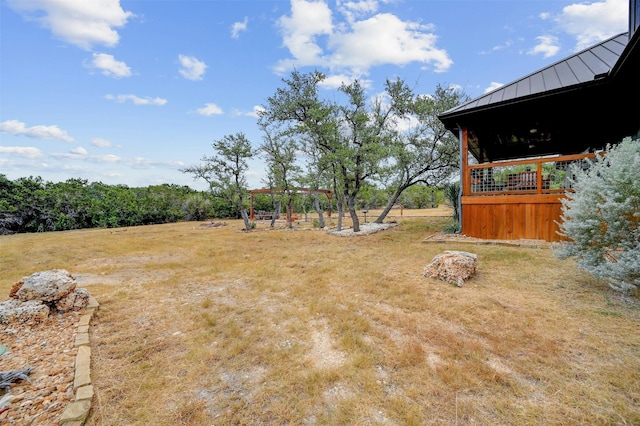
{"x": 253, "y": 192}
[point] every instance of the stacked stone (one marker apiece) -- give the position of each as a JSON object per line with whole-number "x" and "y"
{"x": 45, "y": 325}
{"x": 34, "y": 297}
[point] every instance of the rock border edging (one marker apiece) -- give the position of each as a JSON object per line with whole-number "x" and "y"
{"x": 77, "y": 411}
{"x": 534, "y": 244}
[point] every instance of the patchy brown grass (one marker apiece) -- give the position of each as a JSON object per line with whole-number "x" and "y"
{"x": 217, "y": 326}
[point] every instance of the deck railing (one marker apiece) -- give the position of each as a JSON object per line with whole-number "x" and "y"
{"x": 546, "y": 175}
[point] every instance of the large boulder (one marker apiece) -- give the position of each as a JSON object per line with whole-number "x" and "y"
{"x": 454, "y": 267}
{"x": 30, "y": 312}
{"x": 47, "y": 286}
{"x": 74, "y": 301}
{"x": 33, "y": 297}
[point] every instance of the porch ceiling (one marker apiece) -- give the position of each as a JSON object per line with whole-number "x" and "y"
{"x": 567, "y": 123}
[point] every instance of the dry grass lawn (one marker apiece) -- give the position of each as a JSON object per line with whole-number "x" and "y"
{"x": 214, "y": 326}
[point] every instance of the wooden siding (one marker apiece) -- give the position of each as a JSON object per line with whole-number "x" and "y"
{"x": 512, "y": 217}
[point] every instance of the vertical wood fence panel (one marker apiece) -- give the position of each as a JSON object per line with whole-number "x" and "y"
{"x": 512, "y": 218}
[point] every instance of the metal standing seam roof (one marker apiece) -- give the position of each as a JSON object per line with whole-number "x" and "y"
{"x": 585, "y": 66}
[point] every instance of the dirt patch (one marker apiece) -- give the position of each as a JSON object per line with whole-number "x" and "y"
{"x": 323, "y": 354}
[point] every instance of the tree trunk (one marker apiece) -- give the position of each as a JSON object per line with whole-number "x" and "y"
{"x": 245, "y": 218}
{"x": 391, "y": 203}
{"x": 351, "y": 201}
{"x": 289, "y": 211}
{"x": 316, "y": 205}
{"x": 276, "y": 212}
{"x": 243, "y": 214}
{"x": 339, "y": 200}
{"x": 340, "y": 206}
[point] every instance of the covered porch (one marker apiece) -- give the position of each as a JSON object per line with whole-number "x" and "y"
{"x": 517, "y": 199}
{"x": 519, "y": 143}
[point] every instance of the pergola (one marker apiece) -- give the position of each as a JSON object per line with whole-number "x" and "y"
{"x": 253, "y": 192}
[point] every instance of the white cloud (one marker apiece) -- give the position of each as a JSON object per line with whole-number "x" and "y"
{"x": 109, "y": 66}
{"x": 115, "y": 160}
{"x": 547, "y": 45}
{"x": 255, "y": 112}
{"x": 137, "y": 100}
{"x": 358, "y": 43}
{"x": 499, "y": 47}
{"x": 308, "y": 20}
{"x": 336, "y": 80}
{"x": 237, "y": 27}
{"x": 209, "y": 109}
{"x": 16, "y": 127}
{"x": 191, "y": 67}
{"x": 22, "y": 151}
{"x": 108, "y": 158}
{"x": 354, "y": 9}
{"x": 82, "y": 23}
{"x": 101, "y": 143}
{"x": 594, "y": 22}
{"x": 79, "y": 151}
{"x": 493, "y": 86}
{"x": 146, "y": 163}
{"x": 385, "y": 39}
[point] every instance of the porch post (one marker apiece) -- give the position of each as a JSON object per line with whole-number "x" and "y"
{"x": 464, "y": 175}
{"x": 251, "y": 213}
{"x": 539, "y": 178}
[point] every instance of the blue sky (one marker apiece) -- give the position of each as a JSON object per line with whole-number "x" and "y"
{"x": 130, "y": 92}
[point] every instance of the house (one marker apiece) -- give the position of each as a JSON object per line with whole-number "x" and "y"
{"x": 519, "y": 143}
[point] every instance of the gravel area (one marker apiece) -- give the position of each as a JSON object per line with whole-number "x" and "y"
{"x": 365, "y": 229}
{"x": 48, "y": 348}
{"x": 443, "y": 237}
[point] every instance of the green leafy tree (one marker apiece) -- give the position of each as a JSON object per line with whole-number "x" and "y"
{"x": 424, "y": 151}
{"x": 350, "y": 138}
{"x": 363, "y": 143}
{"x": 601, "y": 219}
{"x": 32, "y": 205}
{"x": 372, "y": 197}
{"x": 225, "y": 171}
{"x": 29, "y": 211}
{"x": 419, "y": 196}
{"x": 317, "y": 178}
{"x": 296, "y": 109}
{"x": 197, "y": 207}
{"x": 279, "y": 152}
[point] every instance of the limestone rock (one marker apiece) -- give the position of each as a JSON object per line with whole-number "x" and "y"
{"x": 454, "y": 267}
{"x": 15, "y": 287}
{"x": 47, "y": 286}
{"x": 77, "y": 300}
{"x": 30, "y": 312}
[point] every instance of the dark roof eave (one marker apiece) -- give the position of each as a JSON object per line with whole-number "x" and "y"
{"x": 632, "y": 46}
{"x": 614, "y": 47}
{"x": 452, "y": 120}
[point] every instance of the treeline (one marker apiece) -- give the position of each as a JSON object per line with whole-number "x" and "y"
{"x": 33, "y": 205}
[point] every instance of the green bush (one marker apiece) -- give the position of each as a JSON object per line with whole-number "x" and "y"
{"x": 601, "y": 219}
{"x": 452, "y": 228}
